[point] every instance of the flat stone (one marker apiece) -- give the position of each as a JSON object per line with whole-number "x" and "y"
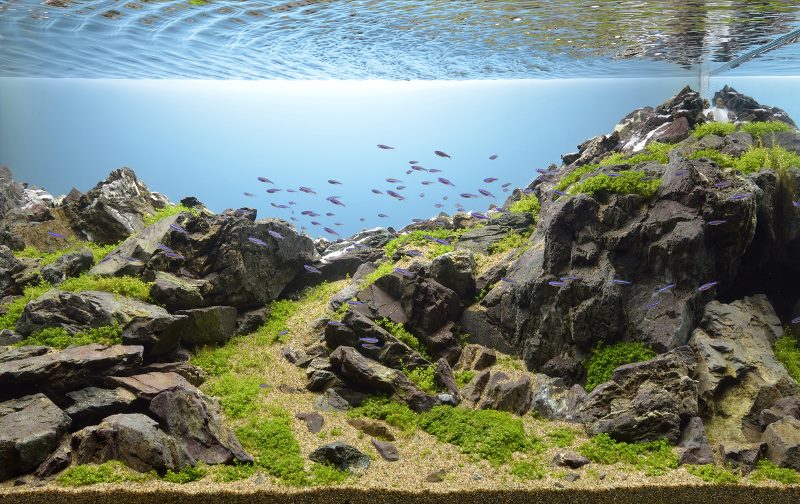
{"x": 92, "y": 404}
{"x": 8, "y": 354}
{"x": 149, "y": 385}
{"x": 569, "y": 459}
{"x": 343, "y": 456}
{"x": 572, "y": 477}
{"x": 214, "y": 324}
{"x": 783, "y": 442}
{"x": 386, "y": 450}
{"x": 314, "y": 421}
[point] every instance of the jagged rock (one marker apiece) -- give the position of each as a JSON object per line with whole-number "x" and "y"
{"x": 693, "y": 444}
{"x": 133, "y": 439}
{"x": 195, "y": 420}
{"x": 342, "y": 456}
{"x": 454, "y": 271}
{"x": 211, "y": 325}
{"x": 319, "y": 375}
{"x": 176, "y": 293}
{"x": 192, "y": 374}
{"x": 8, "y": 354}
{"x": 371, "y": 427}
{"x": 9, "y": 337}
{"x": 479, "y": 239}
{"x": 783, "y": 407}
{"x": 737, "y": 372}
{"x": 10, "y": 267}
{"x": 476, "y": 357}
{"x": 159, "y": 335}
{"x": 56, "y": 462}
{"x": 494, "y": 273}
{"x": 387, "y": 450}
{"x": 506, "y": 394}
{"x": 362, "y": 373}
{"x": 645, "y": 401}
{"x": 741, "y": 456}
{"x": 443, "y": 376}
{"x": 748, "y": 109}
{"x": 69, "y": 265}
{"x": 339, "y": 399}
{"x": 69, "y": 369}
{"x": 565, "y": 367}
{"x": 569, "y": 459}
{"x": 10, "y": 191}
{"x": 553, "y": 400}
{"x": 783, "y": 442}
{"x": 482, "y": 330}
{"x": 672, "y": 132}
{"x": 92, "y": 404}
{"x": 476, "y": 386}
{"x": 249, "y": 321}
{"x": 314, "y": 421}
{"x": 114, "y": 208}
{"x": 148, "y": 385}
{"x": 352, "y": 289}
{"x": 30, "y": 428}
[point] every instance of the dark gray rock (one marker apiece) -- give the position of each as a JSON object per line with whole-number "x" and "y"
{"x": 784, "y": 407}
{"x": 476, "y": 357}
{"x": 783, "y": 442}
{"x": 56, "y": 462}
{"x": 69, "y": 369}
{"x": 569, "y": 459}
{"x": 443, "y": 376}
{"x": 479, "y": 239}
{"x": 314, "y": 421}
{"x": 741, "y": 456}
{"x": 505, "y": 394}
{"x": 211, "y": 325}
{"x": 553, "y": 400}
{"x": 176, "y": 293}
{"x": 192, "y": 374}
{"x": 372, "y": 428}
{"x": 133, "y": 439}
{"x": 748, "y": 109}
{"x": 148, "y": 385}
{"x": 69, "y": 265}
{"x": 645, "y": 401}
{"x": 30, "y": 428}
{"x": 10, "y": 191}
{"x": 92, "y": 404}
{"x": 342, "y": 456}
{"x": 195, "y": 420}
{"x": 8, "y": 354}
{"x": 9, "y": 337}
{"x": 476, "y": 386}
{"x": 339, "y": 399}
{"x": 249, "y": 321}
{"x": 387, "y": 450}
{"x": 454, "y": 270}
{"x": 693, "y": 444}
{"x": 436, "y": 476}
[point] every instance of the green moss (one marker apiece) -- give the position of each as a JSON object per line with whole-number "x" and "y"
{"x": 422, "y": 377}
{"x": 787, "y": 351}
{"x": 400, "y": 332}
{"x": 528, "y": 203}
{"x": 713, "y": 128}
{"x": 512, "y": 240}
{"x": 526, "y": 470}
{"x": 766, "y": 470}
{"x": 759, "y": 130}
{"x": 628, "y": 182}
{"x": 574, "y": 176}
{"x": 654, "y": 457}
{"x": 711, "y": 473}
{"x": 772, "y": 158}
{"x": 46, "y": 258}
{"x": 383, "y": 269}
{"x": 605, "y": 359}
{"x": 326, "y": 475}
{"x": 127, "y": 286}
{"x": 272, "y": 443}
{"x": 237, "y": 395}
{"x": 185, "y": 475}
{"x": 482, "y": 294}
{"x": 234, "y": 472}
{"x": 418, "y": 238}
{"x": 722, "y": 160}
{"x": 214, "y": 361}
{"x": 57, "y": 337}
{"x": 279, "y": 312}
{"x": 463, "y": 376}
{"x": 509, "y": 362}
{"x": 112, "y": 471}
{"x": 654, "y": 151}
{"x": 167, "y": 211}
{"x": 482, "y": 434}
{"x": 14, "y": 309}
{"x": 382, "y": 408}
{"x": 561, "y": 437}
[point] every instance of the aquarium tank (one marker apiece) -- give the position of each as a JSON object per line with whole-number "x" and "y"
{"x": 363, "y": 251}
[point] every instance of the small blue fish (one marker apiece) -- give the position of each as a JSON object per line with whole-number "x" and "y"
{"x": 493, "y": 157}
{"x": 796, "y": 204}
{"x": 165, "y": 248}
{"x": 796, "y": 320}
{"x": 275, "y": 234}
{"x": 173, "y": 255}
{"x": 383, "y": 215}
{"x": 335, "y": 323}
{"x": 369, "y": 340}
{"x": 504, "y": 279}
{"x": 422, "y": 195}
{"x": 740, "y": 196}
{"x": 560, "y": 193}
{"x": 257, "y": 241}
{"x": 249, "y": 195}
{"x": 438, "y": 205}
{"x": 409, "y": 172}
{"x": 335, "y": 200}
{"x": 404, "y": 272}
{"x": 418, "y": 168}
{"x": 376, "y": 191}
{"x": 527, "y": 191}
{"x": 279, "y": 206}
{"x": 293, "y": 218}
{"x": 264, "y": 385}
{"x": 285, "y": 331}
{"x": 681, "y": 172}
{"x": 478, "y": 215}
{"x": 442, "y": 154}
{"x": 330, "y": 231}
{"x": 434, "y": 170}
{"x": 393, "y": 180}
{"x": 355, "y": 303}
{"x": 370, "y": 347}
{"x": 427, "y": 182}
{"x": 265, "y": 180}
{"x": 395, "y": 195}
{"x": 361, "y": 219}
{"x": 486, "y": 193}
{"x": 444, "y": 198}
{"x": 541, "y": 170}
{"x": 413, "y": 253}
{"x": 556, "y": 283}
{"x": 291, "y": 190}
{"x": 706, "y": 286}
{"x": 717, "y": 222}
{"x": 501, "y": 210}
{"x": 334, "y": 182}
{"x": 652, "y": 305}
{"x": 312, "y": 269}
{"x": 400, "y": 187}
{"x": 437, "y": 240}
{"x": 413, "y": 162}
{"x": 307, "y": 190}
{"x": 273, "y": 190}
{"x": 620, "y": 282}
{"x": 329, "y": 214}
{"x": 722, "y": 185}
{"x": 385, "y": 147}
{"x": 468, "y": 195}
{"x": 665, "y": 288}
{"x": 489, "y": 180}
{"x": 55, "y": 235}
{"x": 446, "y": 182}
{"x": 613, "y": 174}
{"x": 292, "y": 203}
{"x": 315, "y": 223}
{"x": 177, "y": 228}
{"x": 506, "y": 184}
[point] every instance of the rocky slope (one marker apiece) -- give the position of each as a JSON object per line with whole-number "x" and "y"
{"x": 670, "y": 235}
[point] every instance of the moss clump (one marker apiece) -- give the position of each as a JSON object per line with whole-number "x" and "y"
{"x": 628, "y": 182}
{"x": 605, "y": 359}
{"x": 168, "y": 211}
{"x": 512, "y": 240}
{"x": 400, "y": 332}
{"x": 722, "y": 160}
{"x": 383, "y": 269}
{"x": 528, "y": 203}
{"x": 713, "y": 128}
{"x": 772, "y": 158}
{"x": 574, "y": 176}
{"x": 325, "y": 475}
{"x": 787, "y": 351}
{"x": 382, "y": 408}
{"x": 98, "y": 251}
{"x": 482, "y": 434}
{"x": 127, "y": 286}
{"x": 279, "y": 312}
{"x": 112, "y": 471}
{"x": 58, "y": 337}
{"x": 654, "y": 151}
{"x": 234, "y": 472}
{"x": 759, "y": 129}
{"x": 561, "y": 437}
{"x": 463, "y": 376}
{"x": 654, "y": 457}
{"x": 713, "y": 474}
{"x": 237, "y": 395}
{"x": 766, "y": 470}
{"x": 418, "y": 238}
{"x": 527, "y": 470}
{"x": 423, "y": 377}
{"x": 185, "y": 475}
{"x": 14, "y": 309}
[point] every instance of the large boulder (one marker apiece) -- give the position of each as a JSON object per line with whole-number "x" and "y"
{"x": 745, "y": 108}
{"x": 499, "y": 391}
{"x": 176, "y": 293}
{"x": 738, "y": 375}
{"x": 454, "y": 270}
{"x": 30, "y": 428}
{"x": 554, "y": 400}
{"x": 211, "y": 325}
{"x": 10, "y": 268}
{"x": 645, "y": 401}
{"x": 479, "y": 239}
{"x": 69, "y": 369}
{"x": 133, "y": 439}
{"x": 92, "y": 404}
{"x": 195, "y": 420}
{"x": 68, "y": 265}
{"x": 10, "y": 191}
{"x": 783, "y": 442}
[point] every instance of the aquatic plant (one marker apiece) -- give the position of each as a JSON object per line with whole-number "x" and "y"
{"x": 128, "y": 286}
{"x": 766, "y": 470}
{"x": 14, "y": 309}
{"x": 422, "y": 377}
{"x": 168, "y": 211}
{"x": 512, "y": 240}
{"x": 237, "y": 394}
{"x": 574, "y": 176}
{"x": 382, "y": 408}
{"x": 463, "y": 376}
{"x": 711, "y": 473}
{"x": 605, "y": 359}
{"x": 654, "y": 151}
{"x": 272, "y": 330}
{"x": 527, "y": 470}
{"x": 654, "y": 457}
{"x": 527, "y": 203}
{"x": 561, "y": 437}
{"x": 759, "y": 129}
{"x": 400, "y": 332}
{"x": 787, "y": 352}
{"x": 418, "y": 237}
{"x": 713, "y": 128}
{"x": 481, "y": 434}
{"x": 772, "y": 158}
{"x": 45, "y": 258}
{"x": 383, "y": 269}
{"x": 722, "y": 160}
{"x": 274, "y": 448}
{"x": 59, "y": 338}
{"x": 185, "y": 475}
{"x": 234, "y": 472}
{"x": 112, "y": 471}
{"x": 627, "y": 182}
